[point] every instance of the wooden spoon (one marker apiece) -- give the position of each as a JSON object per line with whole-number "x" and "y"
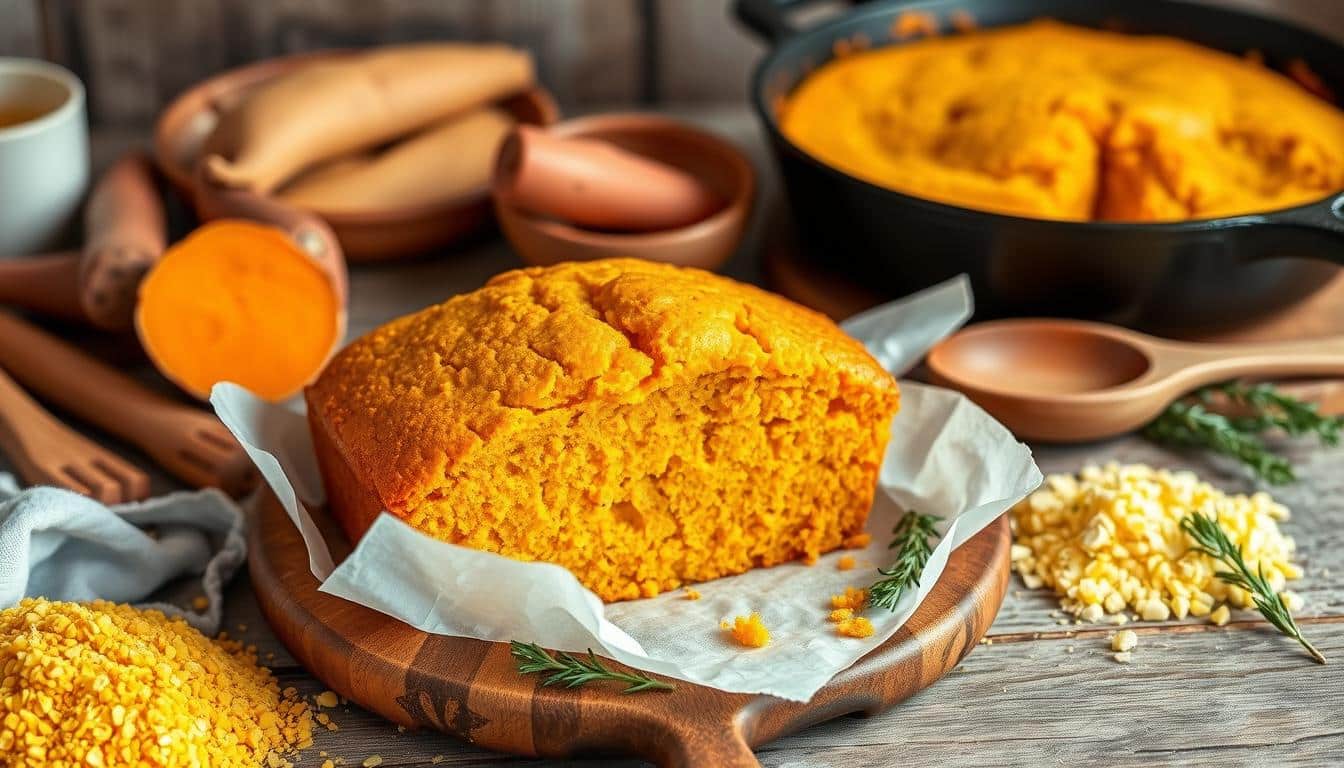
{"x": 46, "y": 452}
{"x": 189, "y": 443}
{"x": 1072, "y": 381}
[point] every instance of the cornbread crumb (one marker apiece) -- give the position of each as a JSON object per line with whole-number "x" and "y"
{"x": 857, "y": 541}
{"x": 692, "y": 594}
{"x": 845, "y": 563}
{"x": 1124, "y": 657}
{"x": 841, "y": 614}
{"x": 855, "y": 627}
{"x": 1220, "y": 616}
{"x": 437, "y": 759}
{"x": 373, "y": 761}
{"x": 853, "y": 598}
{"x": 328, "y": 764}
{"x": 200, "y": 603}
{"x": 1124, "y": 640}
{"x": 1110, "y": 539}
{"x": 750, "y": 631}
{"x": 327, "y": 699}
{"x": 135, "y": 687}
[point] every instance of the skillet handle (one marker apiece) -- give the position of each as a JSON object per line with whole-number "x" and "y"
{"x": 769, "y": 19}
{"x": 1320, "y": 227}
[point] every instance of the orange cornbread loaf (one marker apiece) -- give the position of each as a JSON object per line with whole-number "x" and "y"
{"x": 641, "y": 424}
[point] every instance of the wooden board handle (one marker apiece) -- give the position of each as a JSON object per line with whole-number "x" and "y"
{"x": 693, "y": 749}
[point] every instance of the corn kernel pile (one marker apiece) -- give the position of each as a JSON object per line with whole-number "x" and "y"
{"x": 102, "y": 684}
{"x": 1110, "y": 539}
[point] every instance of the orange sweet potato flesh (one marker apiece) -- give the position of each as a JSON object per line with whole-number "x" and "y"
{"x": 239, "y": 301}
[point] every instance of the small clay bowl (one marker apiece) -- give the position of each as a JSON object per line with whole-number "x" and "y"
{"x": 187, "y": 122}
{"x": 707, "y": 243}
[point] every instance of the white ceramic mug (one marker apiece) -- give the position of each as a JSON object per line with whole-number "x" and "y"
{"x": 44, "y": 155}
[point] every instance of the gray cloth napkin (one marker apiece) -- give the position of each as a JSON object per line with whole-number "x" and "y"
{"x": 63, "y": 546}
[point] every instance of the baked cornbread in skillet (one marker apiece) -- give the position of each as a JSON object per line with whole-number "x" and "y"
{"x": 1055, "y": 121}
{"x": 641, "y": 424}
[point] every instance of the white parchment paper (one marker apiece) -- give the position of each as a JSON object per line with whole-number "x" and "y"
{"x": 946, "y": 457}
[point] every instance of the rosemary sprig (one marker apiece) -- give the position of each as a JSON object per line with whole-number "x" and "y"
{"x": 911, "y": 537}
{"x": 572, "y": 672}
{"x": 1273, "y": 409}
{"x": 1191, "y": 425}
{"x": 1212, "y": 540}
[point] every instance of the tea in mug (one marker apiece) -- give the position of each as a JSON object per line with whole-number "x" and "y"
{"x": 17, "y": 115}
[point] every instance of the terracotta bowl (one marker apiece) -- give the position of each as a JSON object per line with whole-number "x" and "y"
{"x": 707, "y": 244}
{"x": 185, "y": 124}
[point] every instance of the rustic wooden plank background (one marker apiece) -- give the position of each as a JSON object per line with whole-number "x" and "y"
{"x": 135, "y": 55}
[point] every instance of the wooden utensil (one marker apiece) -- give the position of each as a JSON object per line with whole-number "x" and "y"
{"x": 473, "y": 690}
{"x": 124, "y": 236}
{"x": 189, "y": 443}
{"x": 1073, "y": 381}
{"x": 46, "y": 452}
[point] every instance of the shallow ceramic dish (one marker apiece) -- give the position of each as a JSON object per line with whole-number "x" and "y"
{"x": 185, "y": 124}
{"x": 706, "y": 243}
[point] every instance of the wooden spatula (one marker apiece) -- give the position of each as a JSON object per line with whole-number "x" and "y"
{"x": 189, "y": 443}
{"x": 46, "y": 452}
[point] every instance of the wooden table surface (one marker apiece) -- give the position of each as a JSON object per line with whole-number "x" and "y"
{"x": 1040, "y": 692}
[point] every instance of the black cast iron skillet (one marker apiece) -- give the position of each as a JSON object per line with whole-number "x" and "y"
{"x": 1164, "y": 277}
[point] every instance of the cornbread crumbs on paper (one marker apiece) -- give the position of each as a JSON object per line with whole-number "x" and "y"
{"x": 841, "y": 614}
{"x": 135, "y": 687}
{"x": 852, "y": 598}
{"x": 748, "y": 631}
{"x": 692, "y": 594}
{"x": 845, "y": 563}
{"x": 1110, "y": 539}
{"x": 857, "y": 626}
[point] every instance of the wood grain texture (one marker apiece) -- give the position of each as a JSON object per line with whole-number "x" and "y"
{"x": 20, "y": 29}
{"x": 472, "y": 689}
{"x": 136, "y": 55}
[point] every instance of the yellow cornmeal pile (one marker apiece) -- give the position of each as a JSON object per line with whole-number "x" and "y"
{"x": 102, "y": 684}
{"x": 1111, "y": 539}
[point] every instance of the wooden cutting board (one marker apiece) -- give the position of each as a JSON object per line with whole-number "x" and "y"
{"x": 471, "y": 689}
{"x": 1319, "y": 315}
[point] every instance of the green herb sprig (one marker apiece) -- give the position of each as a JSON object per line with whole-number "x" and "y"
{"x": 911, "y": 538}
{"x": 1192, "y": 424}
{"x": 574, "y": 671}
{"x": 1212, "y": 540}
